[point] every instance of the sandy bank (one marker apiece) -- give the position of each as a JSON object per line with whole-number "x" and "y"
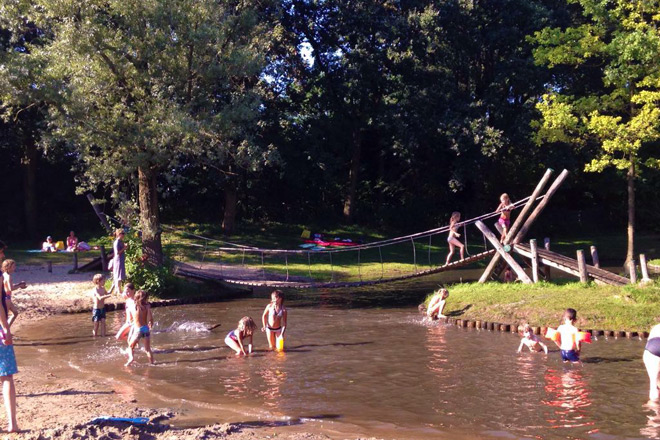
{"x": 61, "y": 407}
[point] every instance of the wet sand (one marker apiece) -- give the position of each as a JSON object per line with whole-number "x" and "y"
{"x": 60, "y": 407}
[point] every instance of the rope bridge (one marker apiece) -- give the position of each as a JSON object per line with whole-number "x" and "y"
{"x": 389, "y": 260}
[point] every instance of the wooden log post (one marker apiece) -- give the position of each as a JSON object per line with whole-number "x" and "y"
{"x": 104, "y": 259}
{"x": 50, "y": 267}
{"x": 99, "y": 213}
{"x": 75, "y": 260}
{"x": 633, "y": 272}
{"x": 644, "y": 268}
{"x": 516, "y": 225}
{"x": 535, "y": 260}
{"x": 594, "y": 257}
{"x": 582, "y": 266}
{"x": 546, "y": 269}
{"x": 507, "y": 257}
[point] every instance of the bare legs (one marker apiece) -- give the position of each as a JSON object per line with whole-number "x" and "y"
{"x": 233, "y": 345}
{"x": 652, "y": 364}
{"x": 9, "y": 393}
{"x": 453, "y": 243}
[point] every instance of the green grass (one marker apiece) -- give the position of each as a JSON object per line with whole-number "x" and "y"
{"x": 598, "y": 307}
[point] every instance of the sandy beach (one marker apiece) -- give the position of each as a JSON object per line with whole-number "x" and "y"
{"x": 61, "y": 407}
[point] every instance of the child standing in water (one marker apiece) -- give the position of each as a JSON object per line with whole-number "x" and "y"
{"x": 652, "y": 361}
{"x": 569, "y": 343}
{"x": 504, "y": 222}
{"x": 129, "y": 297}
{"x": 274, "y": 319}
{"x": 531, "y": 341}
{"x": 245, "y": 329}
{"x": 452, "y": 237}
{"x": 8, "y": 268}
{"x": 99, "y": 295}
{"x": 142, "y": 321}
{"x": 437, "y": 304}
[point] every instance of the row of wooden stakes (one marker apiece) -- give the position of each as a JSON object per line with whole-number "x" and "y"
{"x": 515, "y": 328}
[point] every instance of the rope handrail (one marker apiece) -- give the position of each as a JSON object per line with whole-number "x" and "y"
{"x": 386, "y": 242}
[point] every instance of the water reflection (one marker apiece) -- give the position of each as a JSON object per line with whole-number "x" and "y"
{"x": 569, "y": 396}
{"x": 652, "y": 428}
{"x": 274, "y": 376}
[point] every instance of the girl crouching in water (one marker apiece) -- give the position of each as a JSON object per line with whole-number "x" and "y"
{"x": 235, "y": 338}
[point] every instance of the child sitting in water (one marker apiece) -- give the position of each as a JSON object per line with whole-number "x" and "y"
{"x": 274, "y": 319}
{"x": 531, "y": 341}
{"x": 142, "y": 320}
{"x": 99, "y": 295}
{"x": 128, "y": 294}
{"x": 569, "y": 343}
{"x": 245, "y": 329}
{"x": 437, "y": 304}
{"x": 8, "y": 268}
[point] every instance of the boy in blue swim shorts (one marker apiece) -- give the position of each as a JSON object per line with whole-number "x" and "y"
{"x": 99, "y": 295}
{"x": 569, "y": 343}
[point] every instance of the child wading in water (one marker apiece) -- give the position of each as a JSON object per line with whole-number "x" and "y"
{"x": 274, "y": 320}
{"x": 142, "y": 320}
{"x": 452, "y": 238}
{"x": 245, "y": 329}
{"x": 437, "y": 304}
{"x": 504, "y": 222}
{"x": 531, "y": 341}
{"x": 129, "y": 297}
{"x": 99, "y": 295}
{"x": 8, "y": 268}
{"x": 652, "y": 361}
{"x": 569, "y": 344}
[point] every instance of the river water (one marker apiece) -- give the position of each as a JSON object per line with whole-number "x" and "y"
{"x": 354, "y": 367}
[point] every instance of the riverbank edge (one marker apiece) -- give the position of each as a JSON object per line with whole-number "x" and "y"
{"x": 506, "y": 307}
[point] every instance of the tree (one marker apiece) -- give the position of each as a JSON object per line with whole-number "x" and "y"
{"x": 138, "y": 88}
{"x": 606, "y": 91}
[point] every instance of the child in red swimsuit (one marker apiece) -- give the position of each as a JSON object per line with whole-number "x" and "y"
{"x": 504, "y": 221}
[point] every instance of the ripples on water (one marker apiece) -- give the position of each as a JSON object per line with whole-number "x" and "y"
{"x": 383, "y": 372}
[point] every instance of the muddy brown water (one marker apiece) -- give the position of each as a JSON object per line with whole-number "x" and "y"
{"x": 358, "y": 366}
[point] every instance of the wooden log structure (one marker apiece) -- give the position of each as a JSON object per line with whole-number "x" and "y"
{"x": 644, "y": 267}
{"x": 500, "y": 249}
{"x": 633, "y": 272}
{"x": 516, "y": 225}
{"x": 535, "y": 260}
{"x": 582, "y": 266}
{"x": 594, "y": 257}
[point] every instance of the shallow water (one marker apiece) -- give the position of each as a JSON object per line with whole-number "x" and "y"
{"x": 352, "y": 371}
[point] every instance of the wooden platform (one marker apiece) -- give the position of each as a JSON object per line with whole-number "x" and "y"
{"x": 254, "y": 277}
{"x": 569, "y": 265}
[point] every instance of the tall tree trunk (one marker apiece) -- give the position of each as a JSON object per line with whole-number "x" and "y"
{"x": 353, "y": 178}
{"x": 149, "y": 219}
{"x": 630, "y": 255}
{"x": 231, "y": 201}
{"x": 30, "y": 186}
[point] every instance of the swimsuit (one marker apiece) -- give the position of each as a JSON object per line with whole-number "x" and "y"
{"x": 143, "y": 332}
{"x": 450, "y": 236}
{"x": 569, "y": 355}
{"x": 505, "y": 222}
{"x": 232, "y": 335}
{"x": 653, "y": 346}
{"x": 272, "y": 314}
{"x": 98, "y": 314}
{"x": 7, "y": 355}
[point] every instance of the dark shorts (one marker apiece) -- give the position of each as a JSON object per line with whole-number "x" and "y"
{"x": 98, "y": 315}
{"x": 569, "y": 355}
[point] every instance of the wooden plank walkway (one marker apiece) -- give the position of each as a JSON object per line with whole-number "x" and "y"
{"x": 252, "y": 277}
{"x": 569, "y": 265}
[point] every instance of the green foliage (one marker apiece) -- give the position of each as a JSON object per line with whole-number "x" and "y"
{"x": 155, "y": 279}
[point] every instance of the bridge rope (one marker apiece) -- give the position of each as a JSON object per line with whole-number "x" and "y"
{"x": 250, "y": 275}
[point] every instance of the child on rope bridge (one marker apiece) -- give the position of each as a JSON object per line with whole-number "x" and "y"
{"x": 452, "y": 237}
{"x": 504, "y": 222}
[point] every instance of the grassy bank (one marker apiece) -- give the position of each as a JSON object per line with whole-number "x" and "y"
{"x": 598, "y": 307}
